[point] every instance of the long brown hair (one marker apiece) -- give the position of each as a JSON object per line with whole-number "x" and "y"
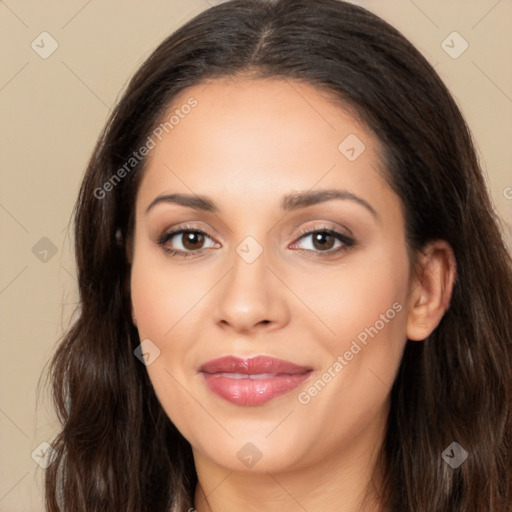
{"x": 117, "y": 450}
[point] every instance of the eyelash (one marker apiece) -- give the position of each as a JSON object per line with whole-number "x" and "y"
{"x": 347, "y": 241}
{"x": 174, "y": 252}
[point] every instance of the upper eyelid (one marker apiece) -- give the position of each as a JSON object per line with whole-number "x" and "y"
{"x": 167, "y": 234}
{"x": 325, "y": 227}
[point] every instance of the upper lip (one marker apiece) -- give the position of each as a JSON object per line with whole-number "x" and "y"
{"x": 253, "y": 366}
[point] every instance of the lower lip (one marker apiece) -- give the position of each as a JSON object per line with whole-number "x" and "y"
{"x": 253, "y": 391}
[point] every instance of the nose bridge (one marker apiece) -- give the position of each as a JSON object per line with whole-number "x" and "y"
{"x": 248, "y": 281}
{"x": 250, "y": 293}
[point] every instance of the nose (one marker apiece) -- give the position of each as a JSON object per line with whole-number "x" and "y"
{"x": 251, "y": 298}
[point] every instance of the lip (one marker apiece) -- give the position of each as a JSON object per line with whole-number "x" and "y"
{"x": 252, "y": 381}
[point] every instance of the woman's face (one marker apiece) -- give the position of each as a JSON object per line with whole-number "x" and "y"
{"x": 290, "y": 249}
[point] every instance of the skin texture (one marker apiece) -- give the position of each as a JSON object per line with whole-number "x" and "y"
{"x": 247, "y": 144}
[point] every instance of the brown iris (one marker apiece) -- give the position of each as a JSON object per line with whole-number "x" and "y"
{"x": 320, "y": 241}
{"x": 192, "y": 239}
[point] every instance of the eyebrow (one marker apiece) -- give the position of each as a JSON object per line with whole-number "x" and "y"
{"x": 190, "y": 200}
{"x": 289, "y": 202}
{"x": 303, "y": 199}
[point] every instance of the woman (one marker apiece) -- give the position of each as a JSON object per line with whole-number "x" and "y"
{"x": 294, "y": 294}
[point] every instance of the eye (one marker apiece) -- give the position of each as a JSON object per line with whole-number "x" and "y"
{"x": 324, "y": 240}
{"x": 185, "y": 242}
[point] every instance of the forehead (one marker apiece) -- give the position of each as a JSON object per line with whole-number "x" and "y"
{"x": 255, "y": 138}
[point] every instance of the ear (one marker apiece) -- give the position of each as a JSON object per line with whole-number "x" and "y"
{"x": 431, "y": 289}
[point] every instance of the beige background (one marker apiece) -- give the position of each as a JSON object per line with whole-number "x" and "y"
{"x": 52, "y": 111}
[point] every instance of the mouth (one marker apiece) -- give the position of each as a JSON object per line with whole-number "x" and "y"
{"x": 253, "y": 381}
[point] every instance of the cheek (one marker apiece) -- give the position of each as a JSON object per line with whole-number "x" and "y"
{"x": 149, "y": 305}
{"x": 367, "y": 294}
{"x": 160, "y": 303}
{"x": 161, "y": 295}
{"x": 364, "y": 305}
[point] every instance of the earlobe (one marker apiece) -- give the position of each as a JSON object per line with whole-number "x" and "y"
{"x": 433, "y": 285}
